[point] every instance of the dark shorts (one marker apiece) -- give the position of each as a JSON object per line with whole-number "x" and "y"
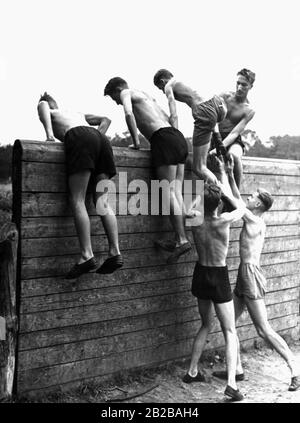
{"x": 238, "y": 141}
{"x": 206, "y": 115}
{"x": 86, "y": 148}
{"x": 250, "y": 282}
{"x": 168, "y": 147}
{"x": 211, "y": 283}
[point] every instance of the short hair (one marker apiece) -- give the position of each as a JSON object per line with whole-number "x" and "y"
{"x": 113, "y": 84}
{"x": 162, "y": 73}
{"x": 248, "y": 74}
{"x": 47, "y": 97}
{"x": 212, "y": 197}
{"x": 266, "y": 198}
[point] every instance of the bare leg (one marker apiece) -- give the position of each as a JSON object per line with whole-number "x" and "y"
{"x": 239, "y": 307}
{"x": 176, "y": 217}
{"x": 258, "y": 313}
{"x": 237, "y": 153}
{"x": 225, "y": 314}
{"x": 78, "y": 183}
{"x": 199, "y": 164}
{"x": 206, "y": 313}
{"x": 178, "y": 187}
{"x": 108, "y": 219}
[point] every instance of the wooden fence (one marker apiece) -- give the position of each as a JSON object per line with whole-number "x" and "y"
{"x": 144, "y": 314}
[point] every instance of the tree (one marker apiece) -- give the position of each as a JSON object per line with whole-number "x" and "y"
{"x": 280, "y": 147}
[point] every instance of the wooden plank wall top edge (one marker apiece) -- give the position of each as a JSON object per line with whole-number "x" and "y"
{"x": 54, "y": 152}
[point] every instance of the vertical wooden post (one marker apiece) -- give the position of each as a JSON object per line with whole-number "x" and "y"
{"x": 8, "y": 264}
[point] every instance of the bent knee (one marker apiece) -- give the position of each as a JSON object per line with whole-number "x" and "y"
{"x": 236, "y": 151}
{"x": 264, "y": 332}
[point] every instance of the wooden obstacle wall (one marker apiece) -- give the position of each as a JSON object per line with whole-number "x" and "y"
{"x": 144, "y": 314}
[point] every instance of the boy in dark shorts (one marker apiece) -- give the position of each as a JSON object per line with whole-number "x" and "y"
{"x": 206, "y": 114}
{"x": 251, "y": 284}
{"x": 89, "y": 159}
{"x": 210, "y": 283}
{"x": 168, "y": 152}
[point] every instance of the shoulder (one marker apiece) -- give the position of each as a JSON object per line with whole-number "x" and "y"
{"x": 226, "y": 95}
{"x": 170, "y": 85}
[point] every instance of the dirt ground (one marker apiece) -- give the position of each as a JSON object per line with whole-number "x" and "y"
{"x": 266, "y": 381}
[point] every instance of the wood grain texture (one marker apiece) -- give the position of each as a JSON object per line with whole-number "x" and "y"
{"x": 143, "y": 314}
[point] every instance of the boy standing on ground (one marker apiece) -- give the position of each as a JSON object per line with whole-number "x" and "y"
{"x": 210, "y": 283}
{"x": 251, "y": 284}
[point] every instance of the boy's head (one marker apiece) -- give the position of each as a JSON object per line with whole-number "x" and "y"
{"x": 260, "y": 200}
{"x": 161, "y": 78}
{"x": 50, "y": 100}
{"x": 212, "y": 197}
{"x": 114, "y": 87}
{"x": 245, "y": 81}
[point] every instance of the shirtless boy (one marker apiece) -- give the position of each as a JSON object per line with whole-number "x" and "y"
{"x": 236, "y": 120}
{"x": 207, "y": 115}
{"x": 89, "y": 157}
{"x": 168, "y": 151}
{"x": 211, "y": 282}
{"x": 251, "y": 284}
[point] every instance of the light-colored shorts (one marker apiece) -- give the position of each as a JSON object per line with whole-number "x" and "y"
{"x": 250, "y": 282}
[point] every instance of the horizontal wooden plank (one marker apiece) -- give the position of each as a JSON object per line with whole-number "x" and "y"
{"x": 32, "y": 379}
{"x": 59, "y": 265}
{"x": 82, "y": 314}
{"x": 265, "y": 166}
{"x": 77, "y": 383}
{"x": 47, "y": 227}
{"x": 51, "y": 177}
{"x": 282, "y": 296}
{"x": 108, "y": 345}
{"x": 73, "y": 314}
{"x": 104, "y": 295}
{"x": 133, "y": 291}
{"x": 43, "y": 286}
{"x": 56, "y": 285}
{"x": 108, "y": 328}
{"x": 92, "y": 330}
{"x": 42, "y": 247}
{"x": 38, "y": 151}
{"x": 276, "y": 184}
{"x": 49, "y": 204}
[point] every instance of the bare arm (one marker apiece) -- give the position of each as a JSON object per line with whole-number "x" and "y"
{"x": 235, "y": 214}
{"x": 226, "y": 187}
{"x": 45, "y": 118}
{"x": 129, "y": 117}
{"x": 172, "y": 106}
{"x": 248, "y": 215}
{"x": 102, "y": 122}
{"x": 238, "y": 129}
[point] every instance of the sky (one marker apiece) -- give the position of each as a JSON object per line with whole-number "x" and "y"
{"x": 72, "y": 48}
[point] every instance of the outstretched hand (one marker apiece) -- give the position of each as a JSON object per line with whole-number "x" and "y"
{"x": 51, "y": 139}
{"x": 220, "y": 163}
{"x": 134, "y": 147}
